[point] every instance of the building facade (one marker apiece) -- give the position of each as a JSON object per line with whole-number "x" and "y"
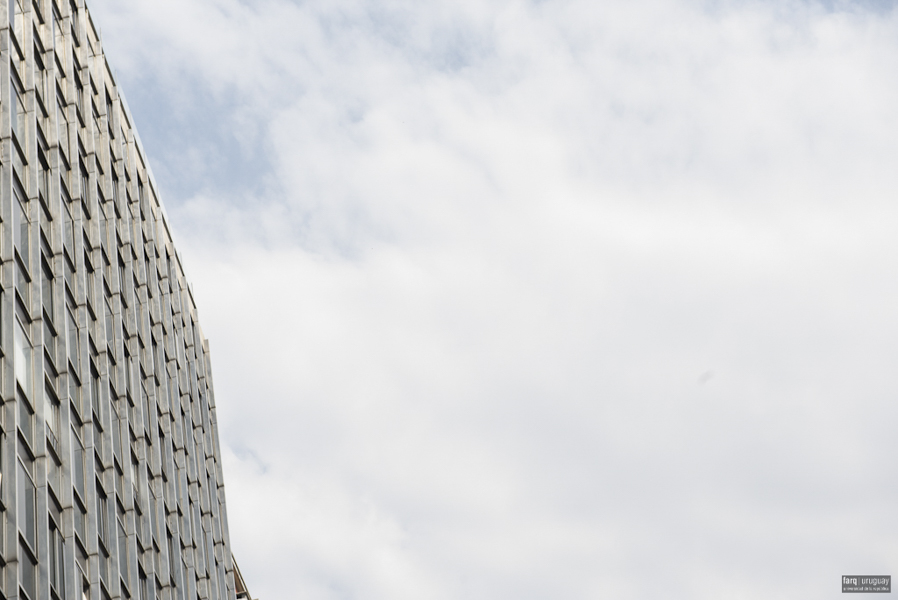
{"x": 110, "y": 472}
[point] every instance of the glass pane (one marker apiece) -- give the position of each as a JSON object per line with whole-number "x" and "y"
{"x": 26, "y": 507}
{"x": 14, "y": 110}
{"x": 123, "y": 552}
{"x": 26, "y": 421}
{"x": 19, "y": 122}
{"x": 74, "y": 353}
{"x": 80, "y": 528}
{"x": 23, "y": 357}
{"x": 75, "y": 393}
{"x": 51, "y": 413}
{"x": 53, "y": 473}
{"x": 78, "y": 465}
{"x": 47, "y": 290}
{"x": 20, "y": 230}
{"x": 95, "y": 391}
{"x": 28, "y": 575}
{"x": 22, "y": 284}
{"x": 18, "y": 19}
{"x": 54, "y": 565}
{"x": 62, "y": 129}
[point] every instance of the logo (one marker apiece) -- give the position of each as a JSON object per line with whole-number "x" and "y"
{"x": 866, "y": 584}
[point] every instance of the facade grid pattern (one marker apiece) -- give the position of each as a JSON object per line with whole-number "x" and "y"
{"x": 112, "y": 482}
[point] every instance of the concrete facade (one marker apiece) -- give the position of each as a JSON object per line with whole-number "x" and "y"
{"x": 111, "y": 472}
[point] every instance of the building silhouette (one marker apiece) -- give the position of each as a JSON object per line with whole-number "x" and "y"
{"x": 111, "y": 484}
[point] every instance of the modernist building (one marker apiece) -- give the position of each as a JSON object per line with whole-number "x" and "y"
{"x": 111, "y": 473}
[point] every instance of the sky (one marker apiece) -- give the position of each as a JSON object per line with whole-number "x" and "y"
{"x": 537, "y": 299}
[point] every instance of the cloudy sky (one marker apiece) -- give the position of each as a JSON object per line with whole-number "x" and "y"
{"x": 538, "y": 299}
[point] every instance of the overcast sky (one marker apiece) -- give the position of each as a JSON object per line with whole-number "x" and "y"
{"x": 530, "y": 300}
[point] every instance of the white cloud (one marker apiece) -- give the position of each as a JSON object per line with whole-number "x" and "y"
{"x": 531, "y": 300}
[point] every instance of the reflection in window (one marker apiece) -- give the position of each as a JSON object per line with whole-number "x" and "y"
{"x": 23, "y": 356}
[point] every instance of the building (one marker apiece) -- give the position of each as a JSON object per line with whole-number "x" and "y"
{"x": 240, "y": 584}
{"x": 111, "y": 472}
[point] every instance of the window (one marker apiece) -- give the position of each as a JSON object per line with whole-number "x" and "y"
{"x": 95, "y": 390}
{"x": 172, "y": 561}
{"x": 48, "y": 285}
{"x": 79, "y": 95}
{"x": 124, "y": 571}
{"x": 116, "y": 436}
{"x": 103, "y": 532}
{"x": 84, "y": 182}
{"x": 71, "y": 288}
{"x": 74, "y": 340}
{"x": 42, "y": 85}
{"x": 128, "y": 374}
{"x": 154, "y": 506}
{"x": 75, "y": 393}
{"x": 26, "y": 418}
{"x": 89, "y": 282}
{"x": 143, "y": 589}
{"x": 121, "y": 279}
{"x": 26, "y": 499}
{"x": 51, "y": 411}
{"x": 103, "y": 559}
{"x": 16, "y": 17}
{"x": 78, "y": 473}
{"x": 43, "y": 176}
{"x": 110, "y": 328}
{"x": 23, "y": 283}
{"x": 27, "y": 573}
{"x": 134, "y": 474}
{"x": 23, "y": 358}
{"x": 54, "y": 471}
{"x": 76, "y": 25}
{"x": 57, "y": 552}
{"x": 81, "y": 562}
{"x": 68, "y": 240}
{"x": 142, "y": 525}
{"x": 102, "y": 516}
{"x": 17, "y": 111}
{"x": 81, "y": 529}
{"x": 21, "y": 228}
{"x": 58, "y": 37}
{"x": 62, "y": 126}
